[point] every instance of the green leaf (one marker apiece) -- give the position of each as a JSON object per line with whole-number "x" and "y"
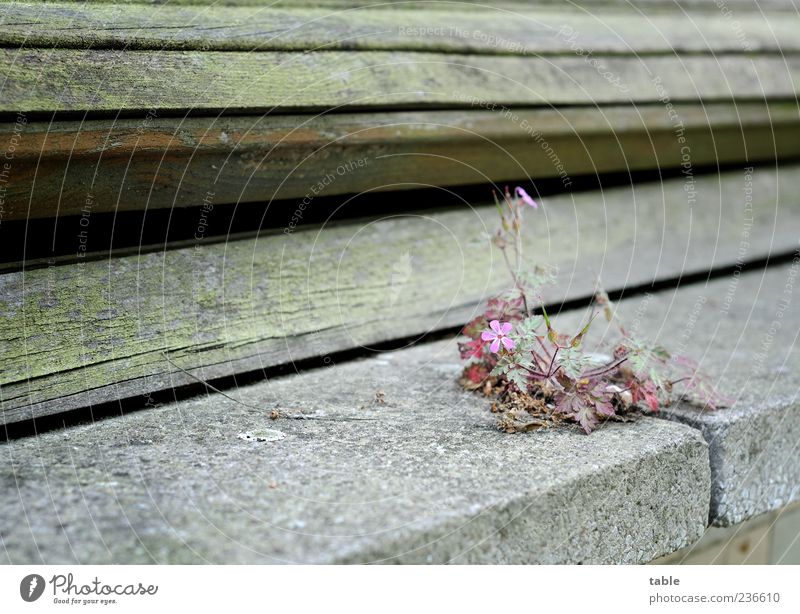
{"x": 499, "y": 369}
{"x": 541, "y": 276}
{"x": 525, "y": 332}
{"x": 661, "y": 352}
{"x": 551, "y": 334}
{"x": 518, "y": 377}
{"x": 509, "y": 366}
{"x": 573, "y": 361}
{"x": 576, "y": 340}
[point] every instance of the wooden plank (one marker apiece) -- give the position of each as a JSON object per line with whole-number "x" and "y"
{"x": 95, "y": 331}
{"x": 161, "y": 163}
{"x": 40, "y": 80}
{"x": 711, "y": 6}
{"x": 265, "y": 28}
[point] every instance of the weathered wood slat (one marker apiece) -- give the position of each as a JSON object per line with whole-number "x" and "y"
{"x": 158, "y": 163}
{"x": 264, "y": 28}
{"x": 40, "y": 80}
{"x": 95, "y": 331}
{"x": 482, "y": 5}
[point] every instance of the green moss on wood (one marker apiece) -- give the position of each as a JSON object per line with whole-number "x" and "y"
{"x": 44, "y": 80}
{"x": 250, "y": 303}
{"x": 525, "y": 31}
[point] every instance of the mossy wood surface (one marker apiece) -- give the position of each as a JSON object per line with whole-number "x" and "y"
{"x": 85, "y": 333}
{"x": 530, "y": 29}
{"x": 118, "y": 81}
{"x": 710, "y": 6}
{"x": 161, "y": 163}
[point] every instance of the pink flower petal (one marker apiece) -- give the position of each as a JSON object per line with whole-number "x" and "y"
{"x": 488, "y": 335}
{"x": 495, "y": 347}
{"x": 495, "y": 326}
{"x": 510, "y": 344}
{"x": 525, "y": 197}
{"x": 506, "y": 327}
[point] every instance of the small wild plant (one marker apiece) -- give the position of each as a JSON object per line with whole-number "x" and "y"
{"x": 541, "y": 377}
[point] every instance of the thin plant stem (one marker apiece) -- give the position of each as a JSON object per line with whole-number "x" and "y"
{"x": 516, "y": 282}
{"x": 550, "y": 371}
{"x": 606, "y": 369}
{"x": 541, "y": 343}
{"x": 242, "y": 403}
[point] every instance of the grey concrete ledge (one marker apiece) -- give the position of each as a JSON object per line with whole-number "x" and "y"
{"x": 745, "y": 331}
{"x": 755, "y": 457}
{"x": 426, "y": 478}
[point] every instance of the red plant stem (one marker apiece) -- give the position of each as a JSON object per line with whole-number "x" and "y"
{"x": 508, "y": 202}
{"x": 550, "y": 371}
{"x": 516, "y": 281}
{"x": 524, "y": 301}
{"x": 540, "y": 362}
{"x": 541, "y": 343}
{"x": 605, "y": 369}
{"x": 533, "y": 372}
{"x": 516, "y": 226}
{"x": 518, "y": 242}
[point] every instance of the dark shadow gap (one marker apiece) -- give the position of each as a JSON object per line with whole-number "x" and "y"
{"x": 220, "y": 112}
{"x": 127, "y": 406}
{"x": 39, "y": 243}
{"x": 175, "y": 45}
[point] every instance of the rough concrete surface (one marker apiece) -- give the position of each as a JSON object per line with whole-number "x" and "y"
{"x": 744, "y": 330}
{"x": 422, "y": 477}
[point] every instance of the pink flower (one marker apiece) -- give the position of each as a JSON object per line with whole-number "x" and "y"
{"x": 497, "y": 335}
{"x": 519, "y": 192}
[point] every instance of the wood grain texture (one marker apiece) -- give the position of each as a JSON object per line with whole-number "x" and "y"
{"x": 479, "y": 5}
{"x": 525, "y": 31}
{"x": 95, "y": 331}
{"x": 161, "y": 163}
{"x": 41, "y": 80}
